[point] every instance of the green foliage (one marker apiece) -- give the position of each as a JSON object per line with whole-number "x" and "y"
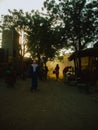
{"x": 67, "y": 23}
{"x": 76, "y": 21}
{"x": 38, "y": 29}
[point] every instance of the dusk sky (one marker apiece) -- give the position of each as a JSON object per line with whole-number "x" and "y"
{"x": 25, "y": 5}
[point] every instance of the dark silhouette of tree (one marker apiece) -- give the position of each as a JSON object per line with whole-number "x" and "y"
{"x": 41, "y": 37}
{"x": 38, "y": 30}
{"x": 66, "y": 23}
{"x": 76, "y": 20}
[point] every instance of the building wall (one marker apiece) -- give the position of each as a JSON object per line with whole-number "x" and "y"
{"x": 10, "y": 42}
{"x": 84, "y": 62}
{"x": 7, "y": 42}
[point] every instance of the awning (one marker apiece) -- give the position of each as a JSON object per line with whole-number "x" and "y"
{"x": 83, "y": 53}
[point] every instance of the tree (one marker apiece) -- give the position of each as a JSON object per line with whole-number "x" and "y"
{"x": 37, "y": 26}
{"x": 92, "y": 9}
{"x": 15, "y": 20}
{"x": 67, "y": 23}
{"x": 76, "y": 20}
{"x": 41, "y": 37}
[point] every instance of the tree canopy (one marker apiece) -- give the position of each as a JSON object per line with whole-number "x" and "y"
{"x": 65, "y": 23}
{"x": 76, "y": 19}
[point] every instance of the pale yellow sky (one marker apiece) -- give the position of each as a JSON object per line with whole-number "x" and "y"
{"x": 26, "y": 5}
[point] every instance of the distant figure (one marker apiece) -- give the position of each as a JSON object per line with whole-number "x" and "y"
{"x": 65, "y": 71}
{"x": 57, "y": 71}
{"x": 40, "y": 72}
{"x": 34, "y": 75}
{"x": 10, "y": 76}
{"x": 45, "y": 72}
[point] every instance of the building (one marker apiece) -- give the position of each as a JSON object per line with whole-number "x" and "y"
{"x": 10, "y": 45}
{"x": 9, "y": 49}
{"x": 89, "y": 64}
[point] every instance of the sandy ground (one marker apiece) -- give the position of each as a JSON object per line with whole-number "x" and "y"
{"x": 55, "y": 106}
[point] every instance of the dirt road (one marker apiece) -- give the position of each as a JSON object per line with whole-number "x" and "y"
{"x": 55, "y": 106}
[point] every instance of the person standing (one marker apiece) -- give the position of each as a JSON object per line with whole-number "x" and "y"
{"x": 46, "y": 71}
{"x": 65, "y": 75}
{"x": 34, "y": 75}
{"x": 10, "y": 76}
{"x": 57, "y": 71}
